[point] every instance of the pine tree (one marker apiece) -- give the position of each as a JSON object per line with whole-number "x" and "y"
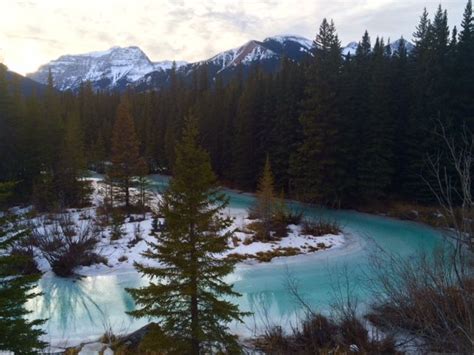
{"x": 88, "y": 112}
{"x": 265, "y": 205}
{"x": 71, "y": 166}
{"x": 377, "y": 131}
{"x": 125, "y": 155}
{"x": 400, "y": 79}
{"x": 463, "y": 83}
{"x": 319, "y": 173}
{"x": 17, "y": 334}
{"x": 284, "y": 129}
{"x": 429, "y": 101}
{"x": 246, "y": 142}
{"x": 8, "y": 129}
{"x": 51, "y": 129}
{"x": 185, "y": 291}
{"x": 98, "y": 154}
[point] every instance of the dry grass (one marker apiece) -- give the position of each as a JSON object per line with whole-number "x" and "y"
{"x": 318, "y": 228}
{"x": 425, "y": 299}
{"x": 321, "y": 335}
{"x": 266, "y": 256}
{"x": 414, "y": 212}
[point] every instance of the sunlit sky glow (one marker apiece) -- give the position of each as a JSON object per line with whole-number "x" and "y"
{"x": 33, "y": 32}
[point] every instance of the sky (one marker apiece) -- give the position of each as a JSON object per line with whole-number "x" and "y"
{"x": 33, "y": 32}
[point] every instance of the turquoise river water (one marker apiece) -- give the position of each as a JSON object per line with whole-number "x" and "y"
{"x": 79, "y": 310}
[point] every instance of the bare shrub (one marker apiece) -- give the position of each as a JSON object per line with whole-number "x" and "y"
{"x": 277, "y": 226}
{"x": 342, "y": 332}
{"x": 117, "y": 231}
{"x": 424, "y": 298}
{"x": 318, "y": 334}
{"x": 320, "y": 227}
{"x": 66, "y": 245}
{"x": 137, "y": 235}
{"x": 288, "y": 216}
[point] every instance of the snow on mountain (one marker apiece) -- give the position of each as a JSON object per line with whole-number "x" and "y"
{"x": 118, "y": 68}
{"x": 395, "y": 45}
{"x": 304, "y": 42}
{"x": 168, "y": 64}
{"x": 251, "y": 51}
{"x": 105, "y": 69}
{"x": 350, "y": 48}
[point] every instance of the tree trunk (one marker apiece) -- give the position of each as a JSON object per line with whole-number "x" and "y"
{"x": 194, "y": 297}
{"x": 127, "y": 194}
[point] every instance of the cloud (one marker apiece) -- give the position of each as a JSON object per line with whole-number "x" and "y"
{"x": 34, "y": 32}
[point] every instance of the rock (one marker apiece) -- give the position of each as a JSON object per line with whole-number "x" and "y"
{"x": 92, "y": 349}
{"x": 132, "y": 340}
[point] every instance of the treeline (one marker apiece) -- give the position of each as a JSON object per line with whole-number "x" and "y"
{"x": 338, "y": 130}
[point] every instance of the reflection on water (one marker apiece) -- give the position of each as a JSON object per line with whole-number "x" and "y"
{"x": 84, "y": 308}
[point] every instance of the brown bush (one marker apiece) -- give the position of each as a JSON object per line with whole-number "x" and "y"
{"x": 425, "y": 298}
{"x": 66, "y": 246}
{"x": 318, "y": 334}
{"x": 318, "y": 228}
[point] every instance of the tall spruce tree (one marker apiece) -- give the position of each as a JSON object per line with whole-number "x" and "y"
{"x": 417, "y": 125}
{"x": 463, "y": 83}
{"x": 186, "y": 291}
{"x": 377, "y": 131}
{"x": 17, "y": 334}
{"x": 71, "y": 166}
{"x": 400, "y": 80}
{"x": 319, "y": 173}
{"x": 285, "y": 128}
{"x": 126, "y": 161}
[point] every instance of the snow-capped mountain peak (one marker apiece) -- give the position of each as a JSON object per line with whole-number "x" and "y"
{"x": 104, "y": 68}
{"x": 394, "y": 46}
{"x": 168, "y": 64}
{"x": 304, "y": 42}
{"x": 251, "y": 51}
{"x": 350, "y": 48}
{"x": 119, "y": 67}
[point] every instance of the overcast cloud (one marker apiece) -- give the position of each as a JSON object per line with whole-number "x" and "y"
{"x": 33, "y": 32}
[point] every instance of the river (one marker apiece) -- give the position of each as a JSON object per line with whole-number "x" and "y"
{"x": 79, "y": 310}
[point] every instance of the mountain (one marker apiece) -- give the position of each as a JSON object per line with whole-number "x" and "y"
{"x": 119, "y": 68}
{"x": 267, "y": 53}
{"x": 26, "y": 86}
{"x": 114, "y": 68}
{"x": 408, "y": 45}
{"x": 351, "y": 47}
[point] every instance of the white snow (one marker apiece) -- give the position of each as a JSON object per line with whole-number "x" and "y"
{"x": 247, "y": 53}
{"x": 121, "y": 254}
{"x": 168, "y": 64}
{"x": 127, "y": 64}
{"x": 304, "y": 42}
{"x": 350, "y": 48}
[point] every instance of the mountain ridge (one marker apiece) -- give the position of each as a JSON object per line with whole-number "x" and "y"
{"x": 118, "y": 68}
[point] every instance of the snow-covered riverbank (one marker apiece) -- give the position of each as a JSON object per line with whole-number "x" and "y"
{"x": 122, "y": 253}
